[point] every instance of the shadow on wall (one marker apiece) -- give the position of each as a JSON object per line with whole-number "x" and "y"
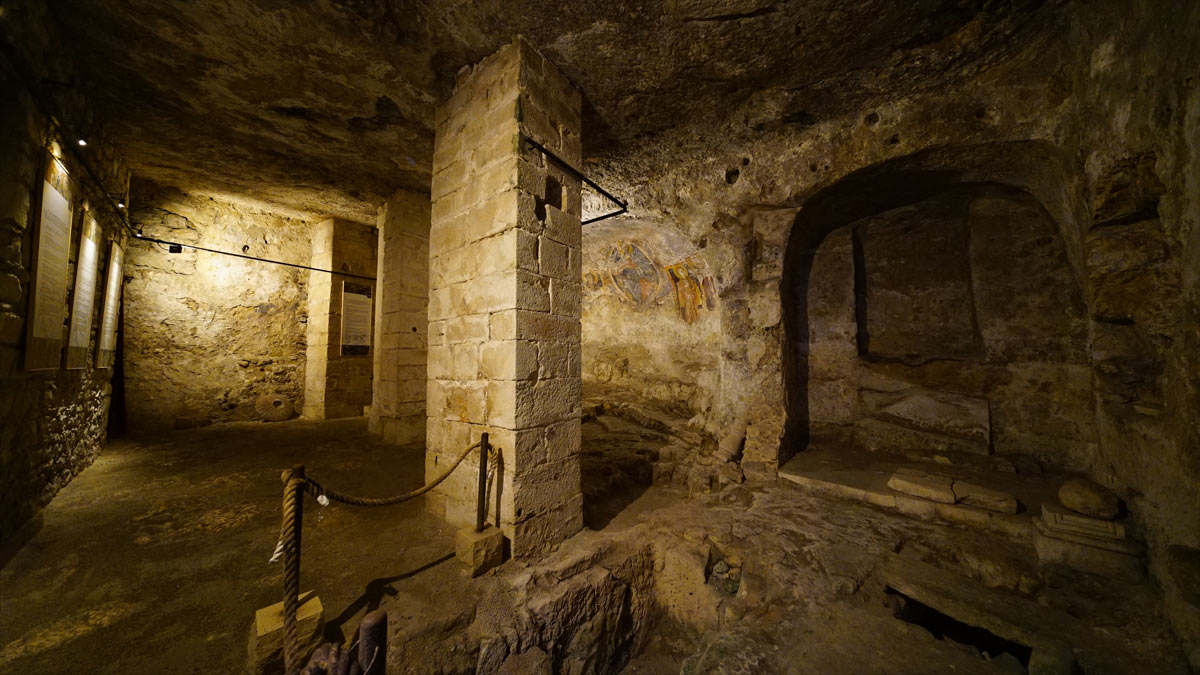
{"x": 924, "y": 298}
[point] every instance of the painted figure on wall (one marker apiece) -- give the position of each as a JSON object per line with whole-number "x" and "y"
{"x": 631, "y": 273}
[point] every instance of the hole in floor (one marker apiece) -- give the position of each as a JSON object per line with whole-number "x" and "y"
{"x": 948, "y": 629}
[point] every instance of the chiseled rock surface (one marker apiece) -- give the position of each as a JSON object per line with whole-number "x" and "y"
{"x": 207, "y": 335}
{"x": 1090, "y": 499}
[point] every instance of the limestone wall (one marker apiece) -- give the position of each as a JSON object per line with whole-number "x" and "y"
{"x": 1107, "y": 116}
{"x": 337, "y": 380}
{"x": 206, "y": 334}
{"x": 651, "y": 316}
{"x": 52, "y": 423}
{"x": 402, "y": 319}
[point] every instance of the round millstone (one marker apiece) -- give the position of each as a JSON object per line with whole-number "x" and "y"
{"x": 272, "y": 408}
{"x": 1090, "y": 499}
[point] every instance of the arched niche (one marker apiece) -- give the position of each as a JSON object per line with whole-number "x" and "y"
{"x": 932, "y": 305}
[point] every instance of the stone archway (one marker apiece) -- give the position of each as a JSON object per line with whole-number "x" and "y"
{"x": 900, "y": 335}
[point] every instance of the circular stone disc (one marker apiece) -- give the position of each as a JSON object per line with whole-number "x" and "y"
{"x": 273, "y": 408}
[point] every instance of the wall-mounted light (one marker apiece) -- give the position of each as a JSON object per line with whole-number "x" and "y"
{"x": 120, "y": 203}
{"x": 82, "y": 142}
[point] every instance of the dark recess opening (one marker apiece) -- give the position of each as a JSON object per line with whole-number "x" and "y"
{"x": 118, "y": 421}
{"x": 945, "y": 627}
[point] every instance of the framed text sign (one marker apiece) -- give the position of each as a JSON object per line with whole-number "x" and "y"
{"x": 80, "y": 336}
{"x": 112, "y": 302}
{"x": 356, "y": 319}
{"x": 48, "y": 294}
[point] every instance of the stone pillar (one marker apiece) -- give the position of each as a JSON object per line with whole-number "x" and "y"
{"x": 336, "y": 384}
{"x": 402, "y": 304}
{"x": 504, "y": 302}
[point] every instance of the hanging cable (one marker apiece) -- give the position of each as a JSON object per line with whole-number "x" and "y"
{"x": 141, "y": 237}
{"x": 623, "y": 206}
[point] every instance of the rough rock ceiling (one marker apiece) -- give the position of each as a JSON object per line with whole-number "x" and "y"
{"x": 326, "y": 106}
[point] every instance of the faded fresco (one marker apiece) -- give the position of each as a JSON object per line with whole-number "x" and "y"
{"x": 629, "y": 272}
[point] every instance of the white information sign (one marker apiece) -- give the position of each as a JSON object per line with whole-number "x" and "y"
{"x": 84, "y": 302}
{"x": 356, "y": 318}
{"x": 112, "y": 301}
{"x": 50, "y": 285}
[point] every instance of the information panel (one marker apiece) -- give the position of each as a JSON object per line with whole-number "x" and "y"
{"x": 80, "y": 336}
{"x": 48, "y": 296}
{"x": 356, "y": 319}
{"x": 112, "y": 302}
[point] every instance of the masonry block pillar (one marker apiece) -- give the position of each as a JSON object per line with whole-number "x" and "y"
{"x": 504, "y": 299}
{"x": 402, "y": 305}
{"x": 336, "y": 383}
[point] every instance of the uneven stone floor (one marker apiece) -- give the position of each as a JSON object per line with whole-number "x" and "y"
{"x": 153, "y": 560}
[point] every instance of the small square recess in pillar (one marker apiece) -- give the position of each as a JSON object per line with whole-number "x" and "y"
{"x": 479, "y": 552}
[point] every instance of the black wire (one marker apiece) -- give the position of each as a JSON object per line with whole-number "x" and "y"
{"x": 141, "y": 237}
{"x": 624, "y": 206}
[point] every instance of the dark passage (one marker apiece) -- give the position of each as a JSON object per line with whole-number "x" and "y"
{"x": 945, "y": 627}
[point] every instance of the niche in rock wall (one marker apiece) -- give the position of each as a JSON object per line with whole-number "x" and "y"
{"x": 950, "y": 325}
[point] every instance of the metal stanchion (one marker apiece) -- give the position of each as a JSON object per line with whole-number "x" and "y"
{"x": 481, "y": 506}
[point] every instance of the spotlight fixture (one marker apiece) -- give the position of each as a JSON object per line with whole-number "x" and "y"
{"x": 174, "y": 248}
{"x": 120, "y": 203}
{"x": 82, "y": 142}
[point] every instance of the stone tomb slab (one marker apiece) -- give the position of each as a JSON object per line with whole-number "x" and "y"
{"x": 984, "y": 498}
{"x": 927, "y": 486}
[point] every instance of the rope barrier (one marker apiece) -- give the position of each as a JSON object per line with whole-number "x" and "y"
{"x": 295, "y": 484}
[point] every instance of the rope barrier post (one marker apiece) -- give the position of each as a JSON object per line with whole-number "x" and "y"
{"x": 481, "y": 507}
{"x": 293, "y": 500}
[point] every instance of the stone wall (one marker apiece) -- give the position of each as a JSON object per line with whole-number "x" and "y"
{"x": 205, "y": 334}
{"x": 52, "y": 423}
{"x": 953, "y": 325}
{"x": 402, "y": 311}
{"x": 337, "y": 381}
{"x": 504, "y": 299}
{"x": 651, "y": 320}
{"x": 1055, "y": 118}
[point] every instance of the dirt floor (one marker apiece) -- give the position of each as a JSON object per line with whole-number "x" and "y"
{"x": 154, "y": 559}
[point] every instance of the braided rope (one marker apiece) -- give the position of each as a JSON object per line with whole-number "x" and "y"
{"x": 293, "y": 489}
{"x": 316, "y": 490}
{"x": 291, "y": 573}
